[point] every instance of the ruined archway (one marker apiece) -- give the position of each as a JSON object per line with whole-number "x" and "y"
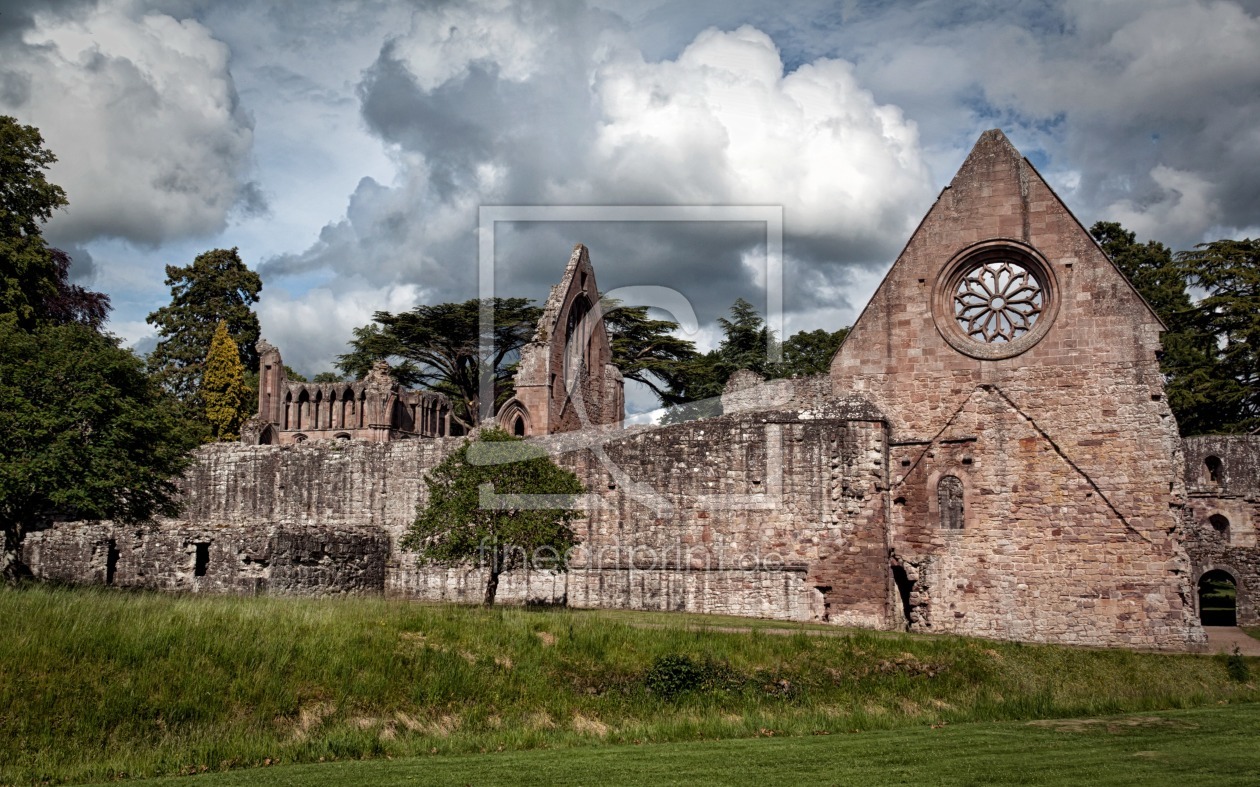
{"x": 1218, "y": 598}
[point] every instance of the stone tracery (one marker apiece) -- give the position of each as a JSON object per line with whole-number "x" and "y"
{"x": 997, "y": 301}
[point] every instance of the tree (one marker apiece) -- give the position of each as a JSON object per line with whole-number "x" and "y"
{"x": 223, "y": 388}
{"x": 808, "y": 353}
{"x": 439, "y": 349}
{"x": 328, "y": 377}
{"x": 646, "y": 350}
{"x": 1196, "y": 386}
{"x": 216, "y": 288}
{"x": 34, "y": 277}
{"x": 1229, "y": 272}
{"x": 745, "y": 345}
{"x": 87, "y": 433}
{"x": 512, "y": 531}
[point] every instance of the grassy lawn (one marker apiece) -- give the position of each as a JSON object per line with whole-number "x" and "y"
{"x": 1207, "y": 746}
{"x": 1253, "y": 631}
{"x": 102, "y": 684}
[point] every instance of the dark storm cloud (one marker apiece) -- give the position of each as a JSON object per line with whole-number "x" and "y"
{"x": 555, "y": 123}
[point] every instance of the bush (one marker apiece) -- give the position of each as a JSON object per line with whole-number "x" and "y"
{"x": 672, "y": 676}
{"x": 1236, "y": 666}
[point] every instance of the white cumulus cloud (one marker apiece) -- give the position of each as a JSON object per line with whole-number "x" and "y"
{"x": 141, "y": 110}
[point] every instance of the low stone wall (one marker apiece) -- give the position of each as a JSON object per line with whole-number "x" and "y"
{"x": 778, "y": 593}
{"x": 191, "y": 557}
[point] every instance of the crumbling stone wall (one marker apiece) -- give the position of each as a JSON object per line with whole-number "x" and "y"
{"x": 775, "y": 514}
{"x": 194, "y": 557}
{"x": 1019, "y": 480}
{"x": 1222, "y": 519}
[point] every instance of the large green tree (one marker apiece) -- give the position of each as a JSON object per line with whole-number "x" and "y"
{"x": 438, "y": 347}
{"x": 1228, "y": 271}
{"x": 216, "y": 287}
{"x": 1199, "y": 389}
{"x": 34, "y": 277}
{"x": 87, "y": 433}
{"x": 223, "y": 388}
{"x": 807, "y": 353}
{"x": 745, "y": 345}
{"x": 647, "y": 351}
{"x": 501, "y": 502}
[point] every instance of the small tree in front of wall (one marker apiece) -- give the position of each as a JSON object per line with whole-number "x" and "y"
{"x": 501, "y": 502}
{"x": 223, "y": 388}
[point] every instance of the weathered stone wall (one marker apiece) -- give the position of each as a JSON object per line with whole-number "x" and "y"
{"x": 1066, "y": 450}
{"x": 1223, "y": 515}
{"x": 765, "y": 514}
{"x": 194, "y": 557}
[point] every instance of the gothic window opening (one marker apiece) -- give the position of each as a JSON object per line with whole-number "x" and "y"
{"x": 576, "y": 334}
{"x": 949, "y": 499}
{"x": 518, "y": 426}
{"x": 997, "y": 301}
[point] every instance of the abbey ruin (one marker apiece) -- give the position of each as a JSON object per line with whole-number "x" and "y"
{"x": 991, "y": 454}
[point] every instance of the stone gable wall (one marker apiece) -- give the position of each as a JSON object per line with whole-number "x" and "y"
{"x": 1074, "y": 490}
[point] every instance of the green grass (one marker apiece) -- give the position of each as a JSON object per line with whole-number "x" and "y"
{"x": 1252, "y": 631}
{"x": 98, "y": 684}
{"x": 1208, "y": 746}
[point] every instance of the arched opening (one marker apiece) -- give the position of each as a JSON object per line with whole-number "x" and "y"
{"x": 1220, "y": 524}
{"x": 303, "y": 410}
{"x": 576, "y": 336}
{"x": 518, "y": 426}
{"x": 949, "y": 500}
{"x": 341, "y": 436}
{"x": 288, "y": 411}
{"x": 267, "y": 436}
{"x": 1212, "y": 470}
{"x": 300, "y": 438}
{"x": 1218, "y": 599}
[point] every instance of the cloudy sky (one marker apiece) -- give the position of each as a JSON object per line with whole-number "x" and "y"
{"x": 346, "y": 147}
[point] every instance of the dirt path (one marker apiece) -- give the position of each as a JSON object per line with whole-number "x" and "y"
{"x": 1226, "y": 638}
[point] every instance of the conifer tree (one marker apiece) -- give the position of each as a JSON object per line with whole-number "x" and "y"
{"x": 223, "y": 387}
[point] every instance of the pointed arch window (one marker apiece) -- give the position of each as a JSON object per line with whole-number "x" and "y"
{"x": 950, "y": 502}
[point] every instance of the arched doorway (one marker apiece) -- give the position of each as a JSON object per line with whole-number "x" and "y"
{"x": 1218, "y": 598}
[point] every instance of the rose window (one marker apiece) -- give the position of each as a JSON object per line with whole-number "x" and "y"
{"x": 997, "y": 301}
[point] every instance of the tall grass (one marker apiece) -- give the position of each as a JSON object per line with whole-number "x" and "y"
{"x": 97, "y": 684}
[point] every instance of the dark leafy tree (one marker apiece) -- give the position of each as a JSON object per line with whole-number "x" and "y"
{"x": 438, "y": 347}
{"x": 327, "y": 377}
{"x": 1229, "y": 272}
{"x": 34, "y": 277}
{"x": 1194, "y": 382}
{"x": 499, "y": 501}
{"x": 745, "y": 345}
{"x": 645, "y": 350}
{"x": 87, "y": 433}
{"x": 216, "y": 288}
{"x": 808, "y": 353}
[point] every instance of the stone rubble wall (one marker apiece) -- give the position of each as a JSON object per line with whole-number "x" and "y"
{"x": 1235, "y": 495}
{"x": 242, "y": 560}
{"x": 771, "y": 515}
